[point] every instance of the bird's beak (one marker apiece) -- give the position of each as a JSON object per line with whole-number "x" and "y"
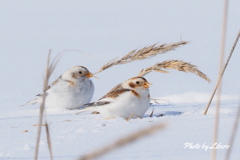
{"x": 146, "y": 85}
{"x": 89, "y": 74}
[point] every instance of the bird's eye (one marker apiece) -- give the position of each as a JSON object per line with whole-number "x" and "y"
{"x": 80, "y": 72}
{"x": 137, "y": 82}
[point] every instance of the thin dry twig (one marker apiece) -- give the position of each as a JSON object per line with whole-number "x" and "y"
{"x": 155, "y": 100}
{"x": 144, "y": 53}
{"x": 49, "y": 140}
{"x": 151, "y": 113}
{"x": 130, "y": 117}
{"x": 45, "y": 85}
{"x": 222, "y": 73}
{"x": 49, "y": 69}
{"x": 123, "y": 141}
{"x": 221, "y": 57}
{"x": 234, "y": 131}
{"x": 174, "y": 64}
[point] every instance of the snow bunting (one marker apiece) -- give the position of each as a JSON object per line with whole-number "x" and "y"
{"x": 71, "y": 90}
{"x": 130, "y": 98}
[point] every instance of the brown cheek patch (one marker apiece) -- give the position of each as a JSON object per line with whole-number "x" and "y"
{"x": 135, "y": 93}
{"x": 74, "y": 75}
{"x": 132, "y": 85}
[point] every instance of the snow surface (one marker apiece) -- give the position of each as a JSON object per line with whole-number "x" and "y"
{"x": 93, "y": 32}
{"x": 73, "y": 135}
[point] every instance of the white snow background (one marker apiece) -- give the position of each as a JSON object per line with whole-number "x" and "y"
{"x": 92, "y": 33}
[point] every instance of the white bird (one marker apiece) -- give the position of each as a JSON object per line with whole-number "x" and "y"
{"x": 128, "y": 99}
{"x": 71, "y": 90}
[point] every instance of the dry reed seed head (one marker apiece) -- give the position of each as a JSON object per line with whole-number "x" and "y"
{"x": 144, "y": 53}
{"x": 174, "y": 64}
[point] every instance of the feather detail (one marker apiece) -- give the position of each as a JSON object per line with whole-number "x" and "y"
{"x": 115, "y": 92}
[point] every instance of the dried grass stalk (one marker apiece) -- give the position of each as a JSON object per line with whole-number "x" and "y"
{"x": 123, "y": 141}
{"x": 130, "y": 117}
{"x": 155, "y": 100}
{"x": 144, "y": 53}
{"x": 49, "y": 140}
{"x": 174, "y": 64}
{"x": 222, "y": 73}
{"x": 49, "y": 69}
{"x": 221, "y": 58}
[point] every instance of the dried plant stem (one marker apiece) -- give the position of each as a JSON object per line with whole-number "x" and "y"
{"x": 45, "y": 85}
{"x": 224, "y": 68}
{"x": 123, "y": 141}
{"x": 151, "y": 113}
{"x": 130, "y": 117}
{"x": 49, "y": 140}
{"x": 174, "y": 64}
{"x": 222, "y": 50}
{"x": 49, "y": 69}
{"x": 144, "y": 53}
{"x": 234, "y": 131}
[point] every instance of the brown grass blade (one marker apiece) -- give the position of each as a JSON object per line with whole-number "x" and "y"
{"x": 49, "y": 69}
{"x": 144, "y": 53}
{"x": 123, "y": 141}
{"x": 174, "y": 64}
{"x": 130, "y": 117}
{"x": 45, "y": 85}
{"x": 219, "y": 92}
{"x": 49, "y": 140}
{"x": 222, "y": 73}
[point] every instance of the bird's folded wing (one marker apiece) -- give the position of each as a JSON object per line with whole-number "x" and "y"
{"x": 52, "y": 84}
{"x": 115, "y": 92}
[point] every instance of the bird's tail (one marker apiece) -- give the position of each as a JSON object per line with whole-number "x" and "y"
{"x": 31, "y": 102}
